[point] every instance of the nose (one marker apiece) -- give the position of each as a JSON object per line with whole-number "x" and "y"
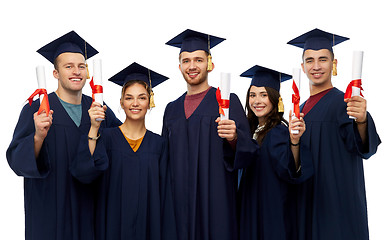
{"x": 192, "y": 65}
{"x": 77, "y": 71}
{"x": 135, "y": 102}
{"x": 316, "y": 65}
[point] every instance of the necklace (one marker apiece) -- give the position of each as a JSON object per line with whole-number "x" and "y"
{"x": 259, "y": 128}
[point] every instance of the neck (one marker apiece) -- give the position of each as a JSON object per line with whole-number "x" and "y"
{"x": 195, "y": 89}
{"x": 315, "y": 89}
{"x": 69, "y": 97}
{"x": 133, "y": 129}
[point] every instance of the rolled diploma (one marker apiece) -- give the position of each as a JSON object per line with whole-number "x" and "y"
{"x": 40, "y": 75}
{"x": 296, "y": 79}
{"x": 97, "y": 78}
{"x": 357, "y": 67}
{"x": 225, "y": 92}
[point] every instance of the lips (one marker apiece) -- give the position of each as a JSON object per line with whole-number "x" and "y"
{"x": 317, "y": 75}
{"x": 76, "y": 79}
{"x": 133, "y": 110}
{"x": 193, "y": 74}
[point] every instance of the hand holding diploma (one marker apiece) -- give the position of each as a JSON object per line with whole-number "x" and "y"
{"x": 356, "y": 104}
{"x": 226, "y": 127}
{"x": 96, "y": 84}
{"x": 296, "y": 97}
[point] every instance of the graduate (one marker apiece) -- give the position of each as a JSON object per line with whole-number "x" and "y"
{"x": 57, "y": 206}
{"x": 204, "y": 151}
{"x": 134, "y": 199}
{"x": 332, "y": 204}
{"x": 267, "y": 209}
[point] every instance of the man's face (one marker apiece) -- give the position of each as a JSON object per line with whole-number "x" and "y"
{"x": 71, "y": 71}
{"x": 193, "y": 66}
{"x": 318, "y": 65}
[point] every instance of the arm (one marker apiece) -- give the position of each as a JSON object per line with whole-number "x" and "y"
{"x": 42, "y": 125}
{"x": 296, "y": 124}
{"x": 357, "y": 107}
{"x": 95, "y": 111}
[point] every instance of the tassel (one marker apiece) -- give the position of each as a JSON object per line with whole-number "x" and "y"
{"x": 280, "y": 105}
{"x": 209, "y": 65}
{"x": 152, "y": 100}
{"x": 334, "y": 71}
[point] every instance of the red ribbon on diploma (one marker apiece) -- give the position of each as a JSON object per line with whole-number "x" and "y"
{"x": 296, "y": 100}
{"x": 353, "y": 83}
{"x": 223, "y": 103}
{"x": 95, "y": 89}
{"x": 44, "y": 105}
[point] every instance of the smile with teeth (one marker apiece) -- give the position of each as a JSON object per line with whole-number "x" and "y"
{"x": 193, "y": 74}
{"x": 317, "y": 75}
{"x": 76, "y": 79}
{"x": 133, "y": 110}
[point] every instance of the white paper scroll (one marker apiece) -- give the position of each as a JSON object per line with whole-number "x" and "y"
{"x": 296, "y": 79}
{"x": 97, "y": 78}
{"x": 357, "y": 67}
{"x": 41, "y": 77}
{"x": 225, "y": 92}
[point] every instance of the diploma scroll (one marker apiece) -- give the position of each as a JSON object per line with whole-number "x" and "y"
{"x": 296, "y": 96}
{"x": 41, "y": 77}
{"x": 96, "y": 83}
{"x": 41, "y": 91}
{"x": 224, "y": 103}
{"x": 354, "y": 88}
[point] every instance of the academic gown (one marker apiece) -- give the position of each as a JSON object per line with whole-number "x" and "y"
{"x": 332, "y": 204}
{"x": 57, "y": 206}
{"x": 134, "y": 199}
{"x": 203, "y": 177}
{"x": 268, "y": 197}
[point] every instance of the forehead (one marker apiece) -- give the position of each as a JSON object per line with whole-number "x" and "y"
{"x": 317, "y": 53}
{"x": 257, "y": 89}
{"x": 69, "y": 57}
{"x": 194, "y": 54}
{"x": 135, "y": 88}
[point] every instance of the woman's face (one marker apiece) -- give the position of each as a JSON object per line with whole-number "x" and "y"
{"x": 135, "y": 102}
{"x": 259, "y": 102}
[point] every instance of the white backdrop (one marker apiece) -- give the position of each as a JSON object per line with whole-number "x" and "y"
{"x": 127, "y": 31}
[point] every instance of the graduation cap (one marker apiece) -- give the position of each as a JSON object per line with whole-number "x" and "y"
{"x": 70, "y": 42}
{"x": 317, "y": 39}
{"x": 190, "y": 41}
{"x": 265, "y": 77}
{"x": 137, "y": 72}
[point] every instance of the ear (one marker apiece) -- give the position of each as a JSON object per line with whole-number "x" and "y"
{"x": 55, "y": 73}
{"x": 302, "y": 67}
{"x": 213, "y": 66}
{"x": 179, "y": 67}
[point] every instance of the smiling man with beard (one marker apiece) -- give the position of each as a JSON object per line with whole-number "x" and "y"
{"x": 57, "y": 206}
{"x": 204, "y": 151}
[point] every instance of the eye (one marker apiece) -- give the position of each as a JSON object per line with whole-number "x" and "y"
{"x": 82, "y": 67}
{"x": 252, "y": 95}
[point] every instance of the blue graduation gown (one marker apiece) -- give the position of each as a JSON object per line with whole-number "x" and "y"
{"x": 332, "y": 204}
{"x": 268, "y": 207}
{"x": 134, "y": 199}
{"x": 203, "y": 177}
{"x": 57, "y": 206}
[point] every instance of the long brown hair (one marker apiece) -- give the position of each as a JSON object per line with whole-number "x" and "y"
{"x": 272, "y": 119}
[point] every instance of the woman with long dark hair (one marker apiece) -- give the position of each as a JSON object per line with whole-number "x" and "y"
{"x": 266, "y": 193}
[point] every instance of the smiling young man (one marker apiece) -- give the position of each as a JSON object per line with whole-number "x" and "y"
{"x": 57, "y": 206}
{"x": 204, "y": 151}
{"x": 332, "y": 204}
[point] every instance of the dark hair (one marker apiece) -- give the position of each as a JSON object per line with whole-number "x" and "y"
{"x": 332, "y": 55}
{"x": 273, "y": 118}
{"x": 132, "y": 82}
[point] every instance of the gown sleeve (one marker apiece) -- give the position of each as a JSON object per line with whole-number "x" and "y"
{"x": 21, "y": 154}
{"x": 86, "y": 167}
{"x": 246, "y": 148}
